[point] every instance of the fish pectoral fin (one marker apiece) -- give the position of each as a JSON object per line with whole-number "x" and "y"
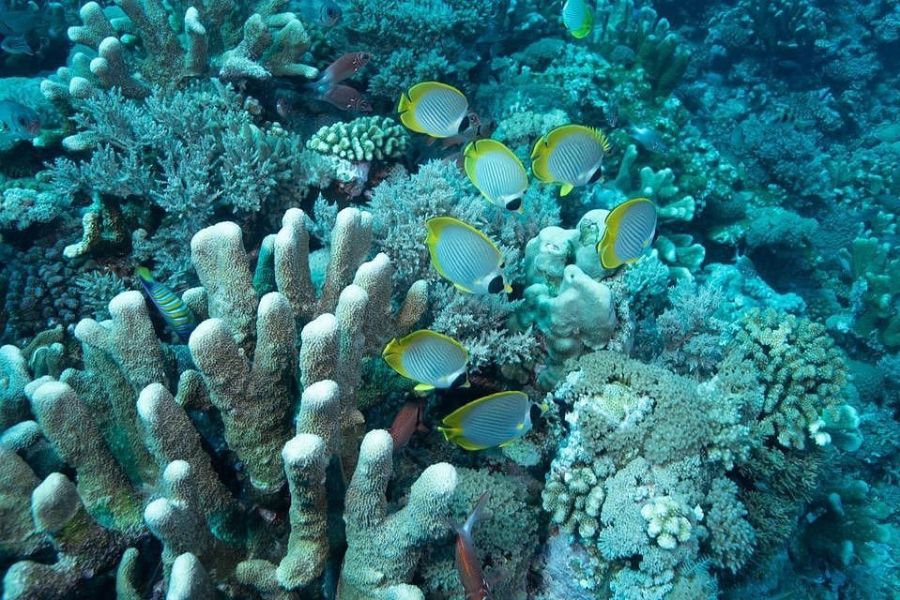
{"x": 566, "y": 189}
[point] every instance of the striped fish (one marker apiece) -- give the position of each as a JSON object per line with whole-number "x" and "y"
{"x": 629, "y": 231}
{"x": 496, "y": 172}
{"x": 577, "y": 18}
{"x": 432, "y": 359}
{"x": 435, "y": 109}
{"x": 495, "y": 420}
{"x": 175, "y": 312}
{"x": 570, "y": 155}
{"x": 465, "y": 256}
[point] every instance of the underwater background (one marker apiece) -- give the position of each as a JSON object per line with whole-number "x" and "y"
{"x": 280, "y": 321}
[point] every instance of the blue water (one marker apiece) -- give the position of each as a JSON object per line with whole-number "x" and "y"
{"x": 656, "y": 320}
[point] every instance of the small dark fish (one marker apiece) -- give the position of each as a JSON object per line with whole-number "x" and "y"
{"x": 612, "y": 114}
{"x": 16, "y": 44}
{"x": 407, "y": 422}
{"x": 472, "y": 129}
{"x": 173, "y": 309}
{"x": 18, "y": 121}
{"x": 345, "y": 97}
{"x": 468, "y": 565}
{"x": 324, "y": 13}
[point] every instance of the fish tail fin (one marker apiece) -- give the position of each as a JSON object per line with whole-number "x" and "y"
{"x": 479, "y": 512}
{"x": 144, "y": 274}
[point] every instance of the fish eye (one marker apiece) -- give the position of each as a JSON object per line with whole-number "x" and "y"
{"x": 514, "y": 204}
{"x": 464, "y": 124}
{"x": 597, "y": 176}
{"x": 496, "y": 285}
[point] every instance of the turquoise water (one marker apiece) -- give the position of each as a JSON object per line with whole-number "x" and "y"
{"x": 449, "y": 299}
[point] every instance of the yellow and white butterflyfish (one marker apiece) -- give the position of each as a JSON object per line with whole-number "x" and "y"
{"x": 570, "y": 155}
{"x": 629, "y": 232}
{"x": 578, "y": 18}
{"x": 495, "y": 420}
{"x": 432, "y": 359}
{"x": 465, "y": 256}
{"x": 434, "y": 108}
{"x": 497, "y": 173}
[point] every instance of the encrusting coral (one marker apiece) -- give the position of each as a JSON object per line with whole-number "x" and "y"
{"x": 248, "y": 368}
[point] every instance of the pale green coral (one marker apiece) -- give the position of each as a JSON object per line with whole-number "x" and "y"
{"x": 363, "y": 139}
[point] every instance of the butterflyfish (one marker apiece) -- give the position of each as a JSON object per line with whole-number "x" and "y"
{"x": 495, "y": 420}
{"x": 465, "y": 256}
{"x": 172, "y": 308}
{"x": 629, "y": 231}
{"x": 570, "y": 155}
{"x": 496, "y": 172}
{"x": 435, "y": 109}
{"x": 432, "y": 359}
{"x": 578, "y": 18}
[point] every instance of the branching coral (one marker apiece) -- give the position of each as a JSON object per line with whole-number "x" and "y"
{"x": 178, "y": 41}
{"x": 799, "y": 367}
{"x": 402, "y": 203}
{"x": 247, "y": 367}
{"x": 187, "y": 153}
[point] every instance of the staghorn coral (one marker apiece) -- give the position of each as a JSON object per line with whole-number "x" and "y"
{"x": 402, "y": 203}
{"x": 401, "y": 34}
{"x": 187, "y": 153}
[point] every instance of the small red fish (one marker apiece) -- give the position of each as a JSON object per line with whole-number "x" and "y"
{"x": 468, "y": 565}
{"x": 343, "y": 68}
{"x": 345, "y": 97}
{"x": 406, "y": 423}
